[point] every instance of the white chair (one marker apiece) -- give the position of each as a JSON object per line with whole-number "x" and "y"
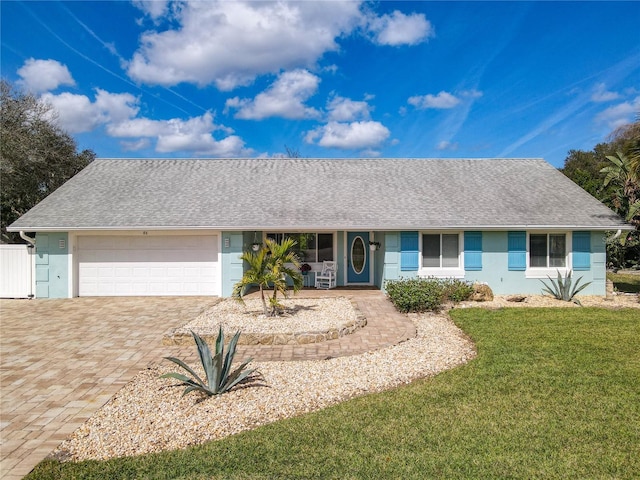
{"x": 326, "y": 279}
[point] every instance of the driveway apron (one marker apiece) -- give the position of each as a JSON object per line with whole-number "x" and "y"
{"x": 61, "y": 360}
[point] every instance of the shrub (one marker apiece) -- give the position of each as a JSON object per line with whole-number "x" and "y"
{"x": 217, "y": 369}
{"x": 561, "y": 289}
{"x": 415, "y": 294}
{"x": 457, "y": 290}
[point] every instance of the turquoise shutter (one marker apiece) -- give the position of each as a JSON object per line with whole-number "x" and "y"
{"x": 581, "y": 250}
{"x": 473, "y": 250}
{"x": 517, "y": 251}
{"x": 409, "y": 251}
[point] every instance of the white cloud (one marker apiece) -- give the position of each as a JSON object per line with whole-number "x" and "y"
{"x": 342, "y": 109}
{"x": 620, "y": 114}
{"x": 441, "y": 101}
{"x": 115, "y": 107}
{"x": 284, "y": 98}
{"x": 74, "y": 113}
{"x": 135, "y": 145}
{"x": 77, "y": 113}
{"x": 118, "y": 113}
{"x": 400, "y": 29}
{"x": 601, "y": 94}
{"x": 38, "y": 76}
{"x": 473, "y": 94}
{"x": 356, "y": 135}
{"x": 444, "y": 145}
{"x": 154, "y": 8}
{"x": 193, "y": 135}
{"x": 230, "y": 43}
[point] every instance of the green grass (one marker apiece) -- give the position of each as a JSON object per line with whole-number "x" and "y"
{"x": 625, "y": 282}
{"x": 553, "y": 393}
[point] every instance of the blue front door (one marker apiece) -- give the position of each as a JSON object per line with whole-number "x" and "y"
{"x": 358, "y": 258}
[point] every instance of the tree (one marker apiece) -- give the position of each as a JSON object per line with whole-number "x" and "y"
{"x": 610, "y": 172}
{"x": 282, "y": 255}
{"x": 626, "y": 194}
{"x": 36, "y": 155}
{"x": 269, "y": 267}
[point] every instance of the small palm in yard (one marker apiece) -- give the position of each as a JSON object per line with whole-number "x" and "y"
{"x": 217, "y": 368}
{"x": 282, "y": 255}
{"x": 270, "y": 267}
{"x": 562, "y": 288}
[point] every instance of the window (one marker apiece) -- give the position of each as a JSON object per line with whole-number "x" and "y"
{"x": 310, "y": 247}
{"x": 547, "y": 250}
{"x": 440, "y": 250}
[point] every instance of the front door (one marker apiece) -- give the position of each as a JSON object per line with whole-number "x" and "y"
{"x": 358, "y": 258}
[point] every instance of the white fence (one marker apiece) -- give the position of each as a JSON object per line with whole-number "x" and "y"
{"x": 16, "y": 271}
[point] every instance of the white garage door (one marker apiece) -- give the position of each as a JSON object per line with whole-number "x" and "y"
{"x": 147, "y": 265}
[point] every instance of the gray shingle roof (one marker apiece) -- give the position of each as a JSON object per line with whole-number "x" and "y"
{"x": 317, "y": 194}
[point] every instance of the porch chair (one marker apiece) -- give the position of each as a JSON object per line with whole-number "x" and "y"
{"x": 326, "y": 279}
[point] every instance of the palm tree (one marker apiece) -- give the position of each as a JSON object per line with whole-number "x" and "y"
{"x": 281, "y": 256}
{"x": 269, "y": 267}
{"x": 256, "y": 274}
{"x": 622, "y": 174}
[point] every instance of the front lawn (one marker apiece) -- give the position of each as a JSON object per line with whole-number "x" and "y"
{"x": 625, "y": 282}
{"x": 553, "y": 393}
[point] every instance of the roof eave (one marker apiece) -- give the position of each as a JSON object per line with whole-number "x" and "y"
{"x": 625, "y": 227}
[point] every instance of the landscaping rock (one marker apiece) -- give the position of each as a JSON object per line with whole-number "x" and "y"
{"x": 481, "y": 293}
{"x": 516, "y": 298}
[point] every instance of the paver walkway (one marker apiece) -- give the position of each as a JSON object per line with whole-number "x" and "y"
{"x": 61, "y": 360}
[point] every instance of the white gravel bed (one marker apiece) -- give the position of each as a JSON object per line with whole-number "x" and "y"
{"x": 149, "y": 415}
{"x": 299, "y": 315}
{"x": 617, "y": 301}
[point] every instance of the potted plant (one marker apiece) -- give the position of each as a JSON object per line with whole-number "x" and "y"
{"x": 305, "y": 268}
{"x": 373, "y": 246}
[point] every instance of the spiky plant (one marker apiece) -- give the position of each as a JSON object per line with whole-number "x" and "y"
{"x": 217, "y": 368}
{"x": 564, "y": 288}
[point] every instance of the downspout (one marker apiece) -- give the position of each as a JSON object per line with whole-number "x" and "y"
{"x": 618, "y": 233}
{"x": 31, "y": 246}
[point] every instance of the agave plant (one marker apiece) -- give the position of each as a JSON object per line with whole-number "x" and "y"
{"x": 562, "y": 288}
{"x": 217, "y": 368}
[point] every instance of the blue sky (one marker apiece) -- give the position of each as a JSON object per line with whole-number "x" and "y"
{"x": 329, "y": 79}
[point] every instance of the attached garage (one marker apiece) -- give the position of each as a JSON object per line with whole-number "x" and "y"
{"x": 148, "y": 265}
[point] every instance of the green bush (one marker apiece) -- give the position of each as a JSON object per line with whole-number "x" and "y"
{"x": 457, "y": 290}
{"x": 426, "y": 294}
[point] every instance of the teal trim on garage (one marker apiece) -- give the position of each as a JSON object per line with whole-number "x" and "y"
{"x": 232, "y": 268}
{"x": 52, "y": 265}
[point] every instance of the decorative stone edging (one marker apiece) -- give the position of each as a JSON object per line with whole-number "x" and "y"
{"x": 174, "y": 337}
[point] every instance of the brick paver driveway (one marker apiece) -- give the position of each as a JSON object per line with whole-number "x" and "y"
{"x": 61, "y": 360}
